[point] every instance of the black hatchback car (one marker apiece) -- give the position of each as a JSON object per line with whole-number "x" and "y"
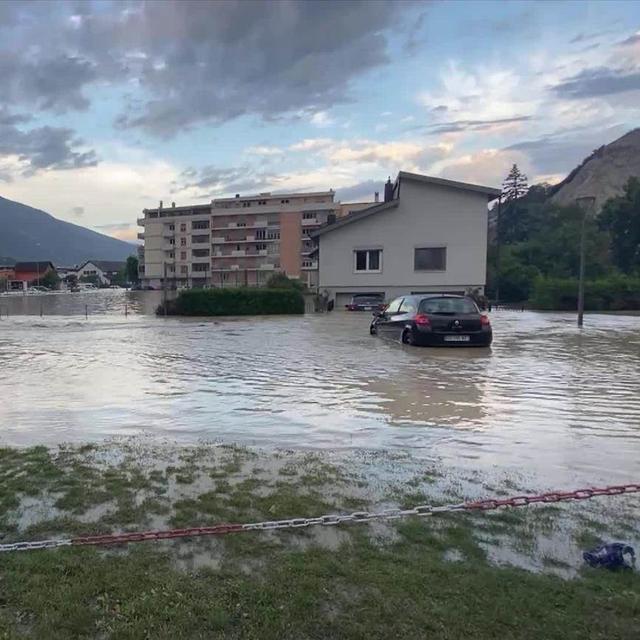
{"x": 434, "y": 320}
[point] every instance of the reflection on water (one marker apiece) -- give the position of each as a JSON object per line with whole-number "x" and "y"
{"x": 546, "y": 399}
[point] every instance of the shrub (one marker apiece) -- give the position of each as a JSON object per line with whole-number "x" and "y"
{"x": 282, "y": 281}
{"x": 234, "y": 302}
{"x": 616, "y": 292}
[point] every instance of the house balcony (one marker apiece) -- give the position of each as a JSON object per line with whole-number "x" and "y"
{"x": 250, "y": 239}
{"x": 310, "y": 222}
{"x": 140, "y": 221}
{"x": 310, "y": 267}
{"x": 141, "y": 235}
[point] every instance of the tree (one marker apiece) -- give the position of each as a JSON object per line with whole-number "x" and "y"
{"x": 51, "y": 280}
{"x": 515, "y": 185}
{"x": 131, "y": 270}
{"x": 621, "y": 218}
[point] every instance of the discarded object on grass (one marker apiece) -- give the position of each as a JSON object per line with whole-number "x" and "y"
{"x": 614, "y": 556}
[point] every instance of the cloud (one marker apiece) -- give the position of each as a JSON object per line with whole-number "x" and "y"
{"x": 322, "y": 119}
{"x": 312, "y": 144}
{"x": 362, "y": 191}
{"x": 264, "y": 150}
{"x": 203, "y": 62}
{"x": 42, "y": 147}
{"x": 388, "y": 155}
{"x": 212, "y": 182}
{"x": 47, "y": 81}
{"x": 474, "y": 125}
{"x": 486, "y": 167}
{"x": 601, "y": 81}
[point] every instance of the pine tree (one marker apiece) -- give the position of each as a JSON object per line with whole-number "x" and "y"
{"x": 515, "y": 185}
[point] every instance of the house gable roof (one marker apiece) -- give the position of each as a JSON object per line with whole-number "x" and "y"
{"x": 356, "y": 215}
{"x": 34, "y": 266}
{"x": 104, "y": 265}
{"x": 490, "y": 192}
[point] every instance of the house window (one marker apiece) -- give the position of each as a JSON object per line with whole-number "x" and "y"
{"x": 368, "y": 260}
{"x": 184, "y": 269}
{"x": 308, "y": 215}
{"x": 183, "y": 242}
{"x": 200, "y": 224}
{"x": 199, "y": 266}
{"x": 171, "y": 227}
{"x": 172, "y": 240}
{"x": 199, "y": 239}
{"x": 261, "y": 234}
{"x": 242, "y": 224}
{"x": 430, "y": 259}
{"x": 200, "y": 253}
{"x": 183, "y": 255}
{"x": 171, "y": 254}
{"x": 261, "y": 247}
{"x": 183, "y": 227}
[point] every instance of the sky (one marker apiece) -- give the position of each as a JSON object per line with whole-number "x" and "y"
{"x": 109, "y": 107}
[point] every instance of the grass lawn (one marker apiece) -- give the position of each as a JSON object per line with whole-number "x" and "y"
{"x": 414, "y": 578}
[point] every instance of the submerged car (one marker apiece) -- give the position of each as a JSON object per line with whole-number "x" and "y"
{"x": 366, "y": 302}
{"x": 434, "y": 320}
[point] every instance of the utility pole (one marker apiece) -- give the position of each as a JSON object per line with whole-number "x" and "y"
{"x": 585, "y": 204}
{"x": 497, "y": 288}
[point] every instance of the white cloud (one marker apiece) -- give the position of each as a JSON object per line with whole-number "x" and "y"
{"x": 264, "y": 150}
{"x": 312, "y": 144}
{"x": 322, "y": 119}
{"x": 110, "y": 193}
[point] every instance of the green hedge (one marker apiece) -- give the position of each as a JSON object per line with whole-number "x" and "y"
{"x": 613, "y": 293}
{"x": 234, "y": 302}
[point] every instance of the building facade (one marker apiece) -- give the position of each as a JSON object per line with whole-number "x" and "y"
{"x": 234, "y": 241}
{"x": 430, "y": 235}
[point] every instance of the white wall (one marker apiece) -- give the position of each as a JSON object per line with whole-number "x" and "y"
{"x": 427, "y": 215}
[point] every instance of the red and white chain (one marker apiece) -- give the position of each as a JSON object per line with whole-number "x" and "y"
{"x": 326, "y": 520}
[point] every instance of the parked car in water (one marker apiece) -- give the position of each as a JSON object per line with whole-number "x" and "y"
{"x": 366, "y": 302}
{"x": 434, "y": 320}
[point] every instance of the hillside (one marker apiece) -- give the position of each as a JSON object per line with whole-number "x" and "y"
{"x": 603, "y": 174}
{"x": 31, "y": 234}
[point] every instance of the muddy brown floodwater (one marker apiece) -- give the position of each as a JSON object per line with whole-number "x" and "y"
{"x": 547, "y": 401}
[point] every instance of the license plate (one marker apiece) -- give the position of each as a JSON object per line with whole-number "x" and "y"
{"x": 456, "y": 338}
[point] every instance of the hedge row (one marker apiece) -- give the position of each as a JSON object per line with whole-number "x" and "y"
{"x": 613, "y": 293}
{"x": 234, "y": 302}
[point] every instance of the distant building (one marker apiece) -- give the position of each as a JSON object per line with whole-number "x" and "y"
{"x": 430, "y": 235}
{"x": 234, "y": 241}
{"x": 32, "y": 272}
{"x": 104, "y": 271}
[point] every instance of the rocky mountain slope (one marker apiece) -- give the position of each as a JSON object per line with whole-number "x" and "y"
{"x": 603, "y": 174}
{"x": 31, "y": 234}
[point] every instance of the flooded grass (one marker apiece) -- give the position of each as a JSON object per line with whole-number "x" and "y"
{"x": 505, "y": 574}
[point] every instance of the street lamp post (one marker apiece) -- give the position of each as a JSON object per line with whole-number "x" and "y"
{"x": 585, "y": 203}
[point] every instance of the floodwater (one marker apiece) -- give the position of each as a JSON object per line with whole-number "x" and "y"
{"x": 547, "y": 401}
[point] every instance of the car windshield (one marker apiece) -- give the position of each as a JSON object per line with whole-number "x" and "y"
{"x": 448, "y": 306}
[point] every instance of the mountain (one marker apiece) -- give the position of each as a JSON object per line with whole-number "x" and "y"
{"x": 603, "y": 174}
{"x": 31, "y": 234}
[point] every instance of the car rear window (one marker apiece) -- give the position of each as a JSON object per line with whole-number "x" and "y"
{"x": 366, "y": 299}
{"x": 448, "y": 305}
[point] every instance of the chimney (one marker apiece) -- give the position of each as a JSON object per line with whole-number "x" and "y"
{"x": 173, "y": 205}
{"x": 237, "y": 195}
{"x": 376, "y": 196}
{"x": 388, "y": 190}
{"x": 160, "y": 205}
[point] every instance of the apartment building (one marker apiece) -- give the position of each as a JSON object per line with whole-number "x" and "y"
{"x": 233, "y": 241}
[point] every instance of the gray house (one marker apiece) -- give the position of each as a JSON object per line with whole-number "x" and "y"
{"x": 430, "y": 234}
